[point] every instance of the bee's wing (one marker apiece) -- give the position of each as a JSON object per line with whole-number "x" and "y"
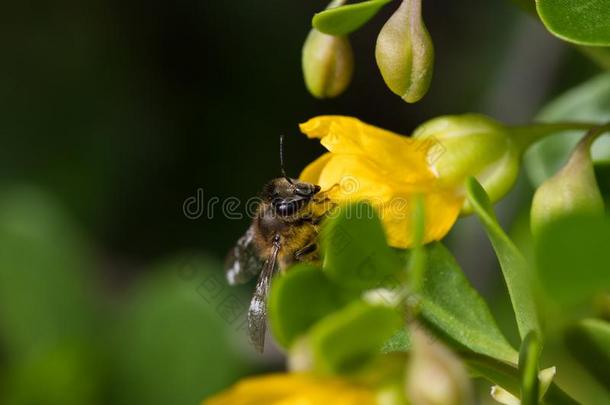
{"x": 257, "y": 314}
{"x": 243, "y": 262}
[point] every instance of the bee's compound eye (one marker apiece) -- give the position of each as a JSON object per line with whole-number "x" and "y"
{"x": 285, "y": 207}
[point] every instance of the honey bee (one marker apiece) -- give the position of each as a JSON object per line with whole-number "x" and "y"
{"x": 284, "y": 231}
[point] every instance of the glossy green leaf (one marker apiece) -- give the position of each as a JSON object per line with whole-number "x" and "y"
{"x": 356, "y": 254}
{"x": 585, "y": 22}
{"x": 451, "y": 305}
{"x": 529, "y": 356}
{"x": 348, "y": 338}
{"x": 345, "y": 19}
{"x": 300, "y": 298}
{"x": 513, "y": 264}
{"x": 573, "y": 259}
{"x": 588, "y": 102}
{"x": 589, "y": 342}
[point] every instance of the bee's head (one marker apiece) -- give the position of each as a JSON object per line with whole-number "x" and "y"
{"x": 287, "y": 196}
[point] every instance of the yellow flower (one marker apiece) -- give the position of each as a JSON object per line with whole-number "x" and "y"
{"x": 369, "y": 163}
{"x": 294, "y": 389}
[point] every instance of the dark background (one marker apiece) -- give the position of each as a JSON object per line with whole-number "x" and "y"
{"x": 115, "y": 112}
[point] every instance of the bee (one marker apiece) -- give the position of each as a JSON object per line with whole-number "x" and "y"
{"x": 284, "y": 231}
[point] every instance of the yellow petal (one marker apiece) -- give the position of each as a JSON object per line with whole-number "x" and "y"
{"x": 385, "y": 169}
{"x": 397, "y": 156}
{"x": 441, "y": 212}
{"x": 354, "y": 178}
{"x": 293, "y": 389}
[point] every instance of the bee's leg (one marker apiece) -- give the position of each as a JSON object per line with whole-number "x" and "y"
{"x": 312, "y": 219}
{"x": 317, "y": 220}
{"x": 300, "y": 254}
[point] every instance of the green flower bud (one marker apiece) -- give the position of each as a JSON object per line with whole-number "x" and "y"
{"x": 328, "y": 62}
{"x": 573, "y": 190}
{"x": 405, "y": 53}
{"x": 471, "y": 145}
{"x": 435, "y": 375}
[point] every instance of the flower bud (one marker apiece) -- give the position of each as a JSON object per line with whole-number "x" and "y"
{"x": 435, "y": 375}
{"x": 404, "y": 52}
{"x": 328, "y": 62}
{"x": 573, "y": 190}
{"x": 471, "y": 145}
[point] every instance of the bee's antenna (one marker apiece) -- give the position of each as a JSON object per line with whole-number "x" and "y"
{"x": 282, "y": 160}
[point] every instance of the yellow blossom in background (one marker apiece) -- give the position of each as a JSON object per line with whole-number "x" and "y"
{"x": 388, "y": 170}
{"x": 294, "y": 389}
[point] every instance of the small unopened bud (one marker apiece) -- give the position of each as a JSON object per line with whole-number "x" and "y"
{"x": 435, "y": 375}
{"x": 328, "y": 62}
{"x": 404, "y": 52}
{"x": 573, "y": 190}
{"x": 462, "y": 146}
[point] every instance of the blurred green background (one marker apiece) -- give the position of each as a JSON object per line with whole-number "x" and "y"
{"x": 113, "y": 114}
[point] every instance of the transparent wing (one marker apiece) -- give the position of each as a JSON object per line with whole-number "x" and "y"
{"x": 243, "y": 262}
{"x": 257, "y": 314}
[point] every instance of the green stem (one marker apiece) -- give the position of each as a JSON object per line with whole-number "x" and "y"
{"x": 594, "y": 133}
{"x": 527, "y": 135}
{"x": 417, "y": 263}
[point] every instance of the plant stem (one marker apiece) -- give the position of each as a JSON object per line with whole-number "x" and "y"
{"x": 527, "y": 135}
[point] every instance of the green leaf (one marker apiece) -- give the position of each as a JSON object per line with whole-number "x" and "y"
{"x": 173, "y": 343}
{"x": 44, "y": 265}
{"x": 356, "y": 254}
{"x": 584, "y": 22}
{"x": 451, "y": 305}
{"x": 572, "y": 256}
{"x": 589, "y": 101}
{"x": 345, "y": 19}
{"x": 528, "y": 368}
{"x": 347, "y": 339}
{"x": 69, "y": 374}
{"x": 400, "y": 342}
{"x": 299, "y": 299}
{"x": 513, "y": 264}
{"x": 589, "y": 342}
